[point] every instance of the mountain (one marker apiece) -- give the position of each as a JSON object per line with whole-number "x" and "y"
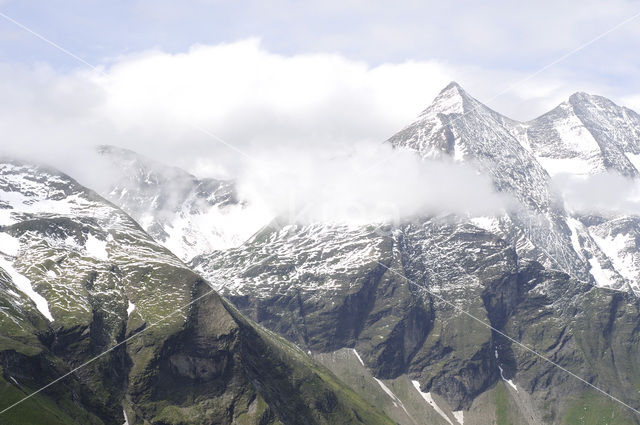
{"x": 395, "y": 297}
{"x": 136, "y": 336}
{"x": 584, "y": 130}
{"x": 437, "y": 319}
{"x": 457, "y": 126}
{"x": 586, "y": 135}
{"x": 187, "y": 215}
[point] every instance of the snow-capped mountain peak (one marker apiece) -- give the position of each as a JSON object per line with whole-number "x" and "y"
{"x": 451, "y": 100}
{"x": 584, "y": 135}
{"x": 587, "y": 134}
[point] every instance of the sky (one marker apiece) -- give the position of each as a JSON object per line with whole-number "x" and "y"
{"x": 503, "y": 41}
{"x": 212, "y": 86}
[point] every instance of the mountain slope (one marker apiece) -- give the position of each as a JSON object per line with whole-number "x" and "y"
{"x": 80, "y": 276}
{"x": 388, "y": 291}
{"x": 587, "y": 136}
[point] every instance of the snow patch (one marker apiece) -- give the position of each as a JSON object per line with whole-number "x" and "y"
{"x": 130, "y": 308}
{"x": 574, "y": 226}
{"x": 24, "y": 285}
{"x": 634, "y": 159}
{"x": 51, "y": 274}
{"x": 459, "y": 150}
{"x": 5, "y": 217}
{"x": 604, "y": 278}
{"x": 358, "y": 356}
{"x": 96, "y": 248}
{"x": 574, "y": 166}
{"x": 459, "y": 415}
{"x": 9, "y": 245}
{"x": 431, "y": 402}
{"x": 581, "y": 151}
{"x": 70, "y": 241}
{"x": 32, "y": 205}
{"x": 508, "y": 381}
{"x": 614, "y": 248}
{"x": 491, "y": 224}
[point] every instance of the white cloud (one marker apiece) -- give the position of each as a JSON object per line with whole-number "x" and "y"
{"x": 251, "y": 97}
{"x": 606, "y": 193}
{"x": 317, "y": 117}
{"x": 368, "y": 184}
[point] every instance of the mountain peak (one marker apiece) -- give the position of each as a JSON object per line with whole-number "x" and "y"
{"x": 451, "y": 100}
{"x": 596, "y": 103}
{"x": 580, "y": 97}
{"x": 453, "y": 90}
{"x": 453, "y": 85}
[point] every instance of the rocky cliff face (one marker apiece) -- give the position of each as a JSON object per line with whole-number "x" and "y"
{"x": 395, "y": 306}
{"x": 80, "y": 278}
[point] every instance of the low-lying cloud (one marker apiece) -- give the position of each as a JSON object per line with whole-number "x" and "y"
{"x": 604, "y": 194}
{"x": 368, "y": 184}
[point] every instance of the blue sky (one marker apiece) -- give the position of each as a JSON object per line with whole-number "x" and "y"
{"x": 520, "y": 36}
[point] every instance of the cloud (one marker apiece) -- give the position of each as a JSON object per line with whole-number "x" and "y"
{"x": 250, "y": 98}
{"x": 236, "y": 110}
{"x": 372, "y": 183}
{"x": 606, "y": 193}
{"x": 162, "y": 105}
